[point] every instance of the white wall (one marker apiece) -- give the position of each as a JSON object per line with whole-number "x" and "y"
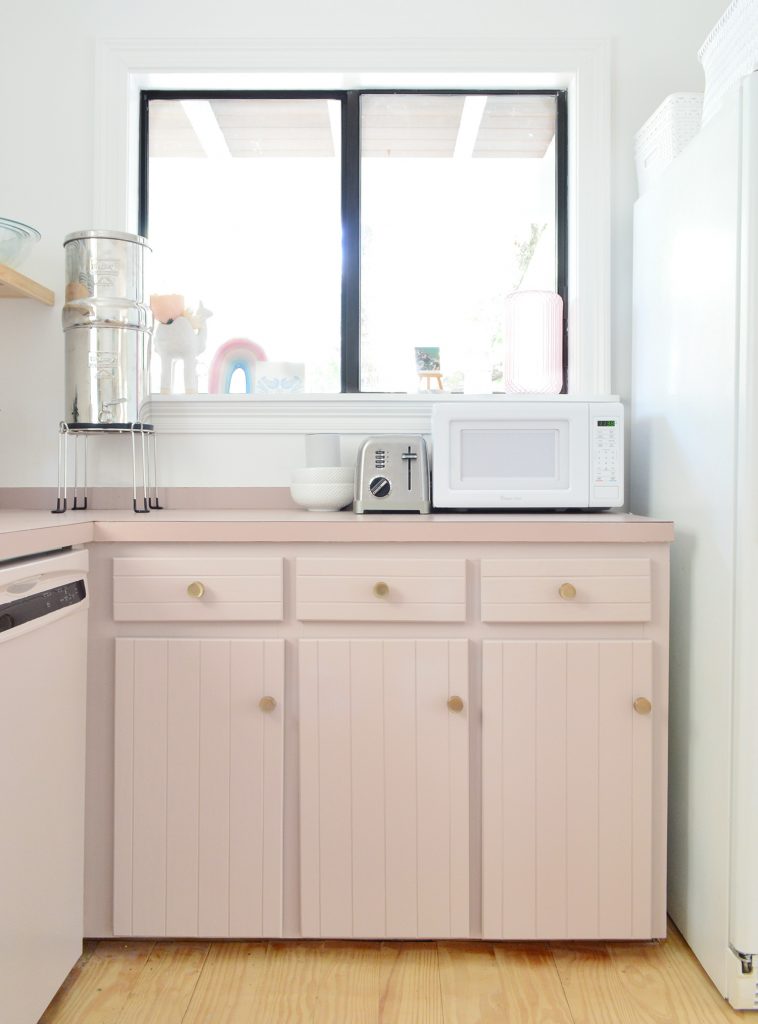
{"x": 47, "y": 84}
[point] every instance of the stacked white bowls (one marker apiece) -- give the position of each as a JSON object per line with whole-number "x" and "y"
{"x": 323, "y": 485}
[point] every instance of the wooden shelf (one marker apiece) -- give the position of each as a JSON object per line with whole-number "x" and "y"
{"x": 15, "y": 286}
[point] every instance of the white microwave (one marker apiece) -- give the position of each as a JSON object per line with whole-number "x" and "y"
{"x": 533, "y": 453}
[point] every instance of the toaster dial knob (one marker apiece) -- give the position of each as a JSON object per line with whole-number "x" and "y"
{"x": 380, "y": 486}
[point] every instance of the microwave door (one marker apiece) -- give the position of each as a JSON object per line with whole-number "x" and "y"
{"x": 525, "y": 462}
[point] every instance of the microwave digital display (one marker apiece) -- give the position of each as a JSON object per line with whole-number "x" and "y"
{"x": 509, "y": 453}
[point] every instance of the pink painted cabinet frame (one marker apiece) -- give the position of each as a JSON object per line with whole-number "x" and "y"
{"x": 363, "y": 806}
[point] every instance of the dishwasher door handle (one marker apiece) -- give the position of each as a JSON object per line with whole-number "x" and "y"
{"x": 21, "y": 586}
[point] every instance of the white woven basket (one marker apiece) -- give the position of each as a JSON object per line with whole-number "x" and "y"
{"x": 729, "y": 53}
{"x": 665, "y": 134}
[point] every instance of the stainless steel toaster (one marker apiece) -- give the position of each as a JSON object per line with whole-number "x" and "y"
{"x": 393, "y": 475}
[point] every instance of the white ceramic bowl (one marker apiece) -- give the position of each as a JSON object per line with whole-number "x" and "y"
{"x": 324, "y": 475}
{"x": 322, "y": 497}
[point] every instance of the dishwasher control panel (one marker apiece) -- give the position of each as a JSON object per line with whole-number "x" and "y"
{"x": 26, "y": 609}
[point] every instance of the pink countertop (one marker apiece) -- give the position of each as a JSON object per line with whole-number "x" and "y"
{"x": 26, "y": 533}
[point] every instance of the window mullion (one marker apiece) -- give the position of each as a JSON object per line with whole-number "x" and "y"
{"x": 351, "y": 243}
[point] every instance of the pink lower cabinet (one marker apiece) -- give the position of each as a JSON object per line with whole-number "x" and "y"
{"x": 567, "y": 802}
{"x": 198, "y": 787}
{"x": 384, "y": 788}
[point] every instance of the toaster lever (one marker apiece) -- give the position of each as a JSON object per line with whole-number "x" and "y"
{"x": 408, "y": 456}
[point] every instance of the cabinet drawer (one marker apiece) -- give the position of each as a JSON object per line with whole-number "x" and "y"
{"x": 197, "y": 589}
{"x": 566, "y": 590}
{"x": 381, "y": 590}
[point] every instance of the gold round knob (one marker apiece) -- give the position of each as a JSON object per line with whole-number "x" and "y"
{"x": 381, "y": 589}
{"x": 196, "y": 589}
{"x": 567, "y": 591}
{"x": 455, "y": 703}
{"x": 643, "y": 706}
{"x": 267, "y": 703}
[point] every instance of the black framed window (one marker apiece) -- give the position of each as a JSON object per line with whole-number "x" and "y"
{"x": 353, "y": 240}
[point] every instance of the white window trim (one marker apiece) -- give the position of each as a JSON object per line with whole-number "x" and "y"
{"x": 581, "y": 66}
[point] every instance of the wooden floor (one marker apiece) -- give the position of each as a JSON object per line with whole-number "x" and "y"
{"x": 119, "y": 982}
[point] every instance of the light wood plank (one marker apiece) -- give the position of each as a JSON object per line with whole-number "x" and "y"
{"x": 351, "y": 982}
{"x": 681, "y": 963}
{"x": 96, "y": 990}
{"x": 532, "y": 991}
{"x": 470, "y": 984}
{"x": 666, "y": 985}
{"x": 289, "y": 991}
{"x": 164, "y": 988}
{"x": 402, "y": 983}
{"x": 412, "y": 994}
{"x": 228, "y": 989}
{"x": 18, "y": 286}
{"x": 591, "y": 985}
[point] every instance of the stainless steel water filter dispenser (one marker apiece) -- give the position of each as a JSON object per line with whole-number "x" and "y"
{"x": 108, "y": 330}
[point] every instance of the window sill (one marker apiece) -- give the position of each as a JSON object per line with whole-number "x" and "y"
{"x": 306, "y": 414}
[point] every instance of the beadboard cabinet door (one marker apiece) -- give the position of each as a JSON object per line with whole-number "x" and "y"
{"x": 198, "y": 787}
{"x": 384, "y": 788}
{"x": 567, "y": 761}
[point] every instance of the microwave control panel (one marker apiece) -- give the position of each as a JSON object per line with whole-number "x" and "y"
{"x": 607, "y": 455}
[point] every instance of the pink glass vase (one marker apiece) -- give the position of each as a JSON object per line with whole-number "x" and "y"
{"x": 533, "y": 337}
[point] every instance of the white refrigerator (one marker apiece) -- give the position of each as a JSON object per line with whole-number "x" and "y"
{"x": 694, "y": 459}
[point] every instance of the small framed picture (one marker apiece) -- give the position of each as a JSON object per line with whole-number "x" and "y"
{"x": 428, "y": 359}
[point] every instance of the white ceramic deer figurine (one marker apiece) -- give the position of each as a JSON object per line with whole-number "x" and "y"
{"x": 182, "y": 339}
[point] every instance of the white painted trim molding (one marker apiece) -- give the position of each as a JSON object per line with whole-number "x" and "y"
{"x": 581, "y": 66}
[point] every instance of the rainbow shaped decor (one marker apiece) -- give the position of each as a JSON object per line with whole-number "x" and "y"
{"x": 235, "y": 354}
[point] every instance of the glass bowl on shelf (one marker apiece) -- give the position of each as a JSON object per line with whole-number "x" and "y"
{"x": 16, "y": 241}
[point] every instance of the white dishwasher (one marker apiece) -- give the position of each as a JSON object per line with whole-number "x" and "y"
{"x": 43, "y": 673}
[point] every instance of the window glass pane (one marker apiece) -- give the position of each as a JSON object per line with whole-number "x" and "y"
{"x": 244, "y": 216}
{"x": 457, "y": 210}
